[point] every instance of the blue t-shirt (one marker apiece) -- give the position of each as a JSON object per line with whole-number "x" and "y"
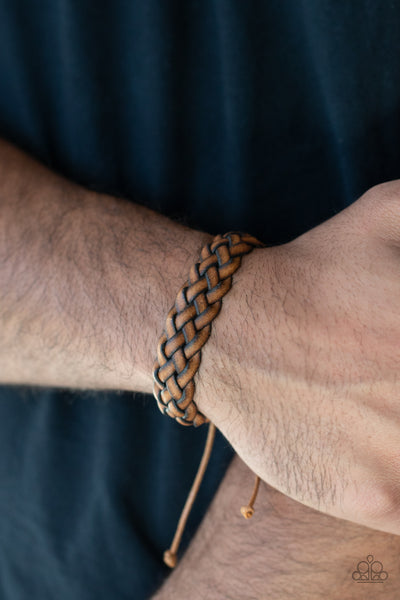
{"x": 267, "y": 117}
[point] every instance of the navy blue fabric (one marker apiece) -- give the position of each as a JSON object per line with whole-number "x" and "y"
{"x": 91, "y": 489}
{"x": 261, "y": 116}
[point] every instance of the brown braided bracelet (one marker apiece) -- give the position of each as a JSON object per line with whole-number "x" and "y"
{"x": 187, "y": 329}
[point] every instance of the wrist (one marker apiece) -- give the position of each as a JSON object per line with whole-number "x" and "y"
{"x": 189, "y": 324}
{"x": 167, "y": 257}
{"x": 227, "y": 371}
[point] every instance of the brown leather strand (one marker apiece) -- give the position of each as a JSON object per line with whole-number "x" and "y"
{"x": 170, "y": 555}
{"x": 187, "y": 328}
{"x": 188, "y": 325}
{"x": 248, "y": 510}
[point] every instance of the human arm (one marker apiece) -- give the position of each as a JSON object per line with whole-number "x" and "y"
{"x": 85, "y": 280}
{"x": 301, "y": 370}
{"x": 287, "y": 550}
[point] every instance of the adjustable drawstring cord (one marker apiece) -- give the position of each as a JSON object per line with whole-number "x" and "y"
{"x": 170, "y": 555}
{"x": 248, "y": 511}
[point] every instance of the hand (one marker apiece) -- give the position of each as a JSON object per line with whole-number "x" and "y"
{"x": 302, "y": 370}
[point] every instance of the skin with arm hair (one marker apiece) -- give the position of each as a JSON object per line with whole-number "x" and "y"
{"x": 301, "y": 373}
{"x": 85, "y": 280}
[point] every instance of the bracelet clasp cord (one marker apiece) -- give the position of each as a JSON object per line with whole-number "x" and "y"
{"x": 187, "y": 329}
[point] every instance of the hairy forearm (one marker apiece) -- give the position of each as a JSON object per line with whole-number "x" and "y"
{"x": 86, "y": 280}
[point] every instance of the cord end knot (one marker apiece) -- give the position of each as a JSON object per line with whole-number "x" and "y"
{"x": 247, "y": 511}
{"x": 170, "y": 559}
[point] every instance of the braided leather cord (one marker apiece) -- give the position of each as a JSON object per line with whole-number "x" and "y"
{"x": 188, "y": 325}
